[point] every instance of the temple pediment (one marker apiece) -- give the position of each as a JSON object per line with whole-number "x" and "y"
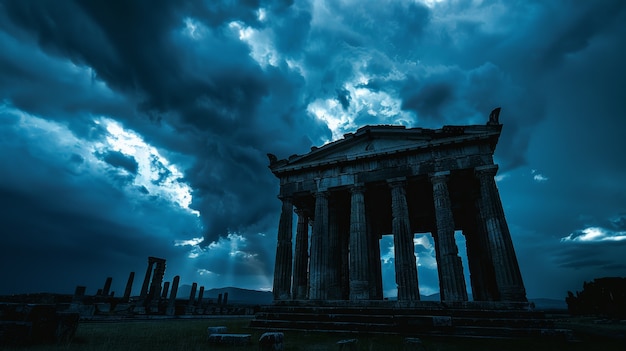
{"x": 380, "y": 140}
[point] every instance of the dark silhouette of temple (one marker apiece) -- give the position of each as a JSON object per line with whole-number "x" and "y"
{"x": 390, "y": 179}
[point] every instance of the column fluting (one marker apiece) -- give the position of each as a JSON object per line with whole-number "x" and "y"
{"x": 507, "y": 273}
{"x": 405, "y": 265}
{"x": 282, "y": 266}
{"x": 451, "y": 279}
{"x": 301, "y": 260}
{"x": 359, "y": 250}
{"x": 319, "y": 249}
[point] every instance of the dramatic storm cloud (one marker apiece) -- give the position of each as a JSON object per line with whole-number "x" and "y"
{"x": 136, "y": 129}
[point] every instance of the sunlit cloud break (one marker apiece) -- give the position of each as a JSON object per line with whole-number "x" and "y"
{"x": 154, "y": 172}
{"x": 189, "y": 242}
{"x": 203, "y": 271}
{"x": 194, "y": 243}
{"x": 594, "y": 234}
{"x": 538, "y": 177}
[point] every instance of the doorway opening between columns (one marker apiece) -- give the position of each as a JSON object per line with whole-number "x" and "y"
{"x": 426, "y": 260}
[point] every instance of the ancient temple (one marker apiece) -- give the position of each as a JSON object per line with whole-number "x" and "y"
{"x": 394, "y": 180}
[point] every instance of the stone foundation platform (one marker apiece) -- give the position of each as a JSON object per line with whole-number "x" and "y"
{"x": 465, "y": 319}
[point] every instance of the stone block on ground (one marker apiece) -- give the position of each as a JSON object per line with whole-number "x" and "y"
{"x": 123, "y": 307}
{"x": 347, "y": 344}
{"x": 216, "y": 330}
{"x": 230, "y": 339}
{"x": 103, "y": 307}
{"x": 413, "y": 344}
{"x": 271, "y": 341}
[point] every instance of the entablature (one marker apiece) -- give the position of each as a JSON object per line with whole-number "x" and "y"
{"x": 372, "y": 142}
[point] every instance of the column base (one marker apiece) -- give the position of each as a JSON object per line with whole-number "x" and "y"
{"x": 359, "y": 290}
{"x": 301, "y": 293}
{"x": 283, "y": 296}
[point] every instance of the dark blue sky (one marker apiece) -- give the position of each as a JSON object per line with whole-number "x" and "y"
{"x": 136, "y": 129}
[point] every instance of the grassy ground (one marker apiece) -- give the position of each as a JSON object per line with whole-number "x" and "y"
{"x": 191, "y": 335}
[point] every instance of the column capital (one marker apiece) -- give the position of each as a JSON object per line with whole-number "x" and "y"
{"x": 301, "y": 211}
{"x": 486, "y": 170}
{"x": 396, "y": 182}
{"x": 357, "y": 188}
{"x": 439, "y": 176}
{"x": 321, "y": 193}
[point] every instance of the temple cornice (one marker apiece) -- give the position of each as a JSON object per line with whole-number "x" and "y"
{"x": 413, "y": 140}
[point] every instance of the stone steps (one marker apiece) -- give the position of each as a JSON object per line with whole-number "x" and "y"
{"x": 396, "y": 311}
{"x": 404, "y": 319}
{"x": 484, "y": 323}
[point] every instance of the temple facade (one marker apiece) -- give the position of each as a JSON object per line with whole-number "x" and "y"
{"x": 401, "y": 181}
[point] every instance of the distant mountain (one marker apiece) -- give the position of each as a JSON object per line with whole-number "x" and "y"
{"x": 243, "y": 296}
{"x": 433, "y": 297}
{"x": 543, "y": 304}
{"x": 235, "y": 295}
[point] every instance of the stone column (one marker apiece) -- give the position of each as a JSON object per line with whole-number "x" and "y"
{"x": 333, "y": 254}
{"x": 452, "y": 282}
{"x": 301, "y": 261}
{"x": 200, "y": 296}
{"x": 359, "y": 248}
{"x": 507, "y": 273}
{"x": 171, "y": 306}
{"x": 107, "y": 286}
{"x": 373, "y": 237}
{"x": 146, "y": 280}
{"x": 174, "y": 291}
{"x": 376, "y": 278}
{"x": 473, "y": 260}
{"x": 157, "y": 279}
{"x": 344, "y": 252}
{"x": 192, "y": 294}
{"x": 129, "y": 286}
{"x": 406, "y": 268}
{"x": 282, "y": 266}
{"x": 319, "y": 251}
{"x": 481, "y": 269}
{"x": 166, "y": 288}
